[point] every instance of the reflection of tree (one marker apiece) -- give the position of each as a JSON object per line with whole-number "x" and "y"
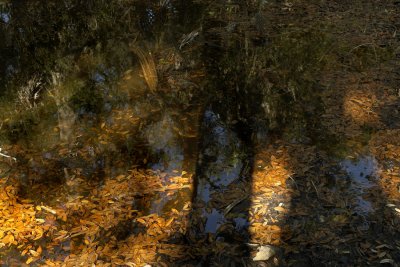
{"x": 99, "y": 115}
{"x": 66, "y": 116}
{"x": 43, "y": 37}
{"x": 88, "y": 42}
{"x": 40, "y": 36}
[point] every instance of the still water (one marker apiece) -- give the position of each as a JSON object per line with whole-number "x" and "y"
{"x": 164, "y": 108}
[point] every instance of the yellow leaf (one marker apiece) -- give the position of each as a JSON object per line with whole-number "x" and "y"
{"x": 9, "y": 239}
{"x": 29, "y": 260}
{"x": 279, "y": 208}
{"x": 40, "y": 220}
{"x": 140, "y": 220}
{"x": 34, "y": 253}
{"x": 50, "y": 263}
{"x": 120, "y": 177}
{"x": 48, "y": 209}
{"x": 39, "y": 234}
{"x": 24, "y": 252}
{"x": 175, "y": 211}
{"x": 169, "y": 222}
{"x": 340, "y": 218}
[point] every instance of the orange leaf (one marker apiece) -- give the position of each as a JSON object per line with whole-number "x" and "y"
{"x": 279, "y": 208}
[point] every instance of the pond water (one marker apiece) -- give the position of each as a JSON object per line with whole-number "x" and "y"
{"x": 363, "y": 173}
{"x": 146, "y": 126}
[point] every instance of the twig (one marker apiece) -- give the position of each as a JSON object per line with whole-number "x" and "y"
{"x": 316, "y": 190}
{"x": 6, "y": 156}
{"x": 365, "y": 45}
{"x": 49, "y": 210}
{"x": 294, "y": 182}
{"x": 234, "y": 204}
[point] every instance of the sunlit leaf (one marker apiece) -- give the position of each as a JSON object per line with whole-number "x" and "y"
{"x": 30, "y": 260}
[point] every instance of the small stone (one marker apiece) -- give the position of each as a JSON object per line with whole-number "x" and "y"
{"x": 264, "y": 253}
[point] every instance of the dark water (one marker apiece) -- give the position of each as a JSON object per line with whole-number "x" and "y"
{"x": 183, "y": 88}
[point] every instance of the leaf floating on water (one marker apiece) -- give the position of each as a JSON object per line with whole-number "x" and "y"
{"x": 381, "y": 255}
{"x": 386, "y": 261}
{"x": 30, "y": 260}
{"x": 340, "y": 218}
{"x": 383, "y": 246}
{"x": 280, "y": 209}
{"x": 50, "y": 263}
{"x": 48, "y": 209}
{"x": 40, "y": 220}
{"x": 34, "y": 253}
{"x": 169, "y": 222}
{"x": 9, "y": 239}
{"x": 175, "y": 211}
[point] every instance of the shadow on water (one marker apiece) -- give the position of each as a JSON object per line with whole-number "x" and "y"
{"x": 338, "y": 212}
{"x": 341, "y": 209}
{"x": 219, "y": 214}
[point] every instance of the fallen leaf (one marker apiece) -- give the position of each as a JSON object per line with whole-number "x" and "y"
{"x": 387, "y": 261}
{"x": 280, "y": 209}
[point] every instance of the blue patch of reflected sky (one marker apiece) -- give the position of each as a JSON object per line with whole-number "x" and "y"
{"x": 214, "y": 220}
{"x": 362, "y": 173}
{"x": 5, "y": 16}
